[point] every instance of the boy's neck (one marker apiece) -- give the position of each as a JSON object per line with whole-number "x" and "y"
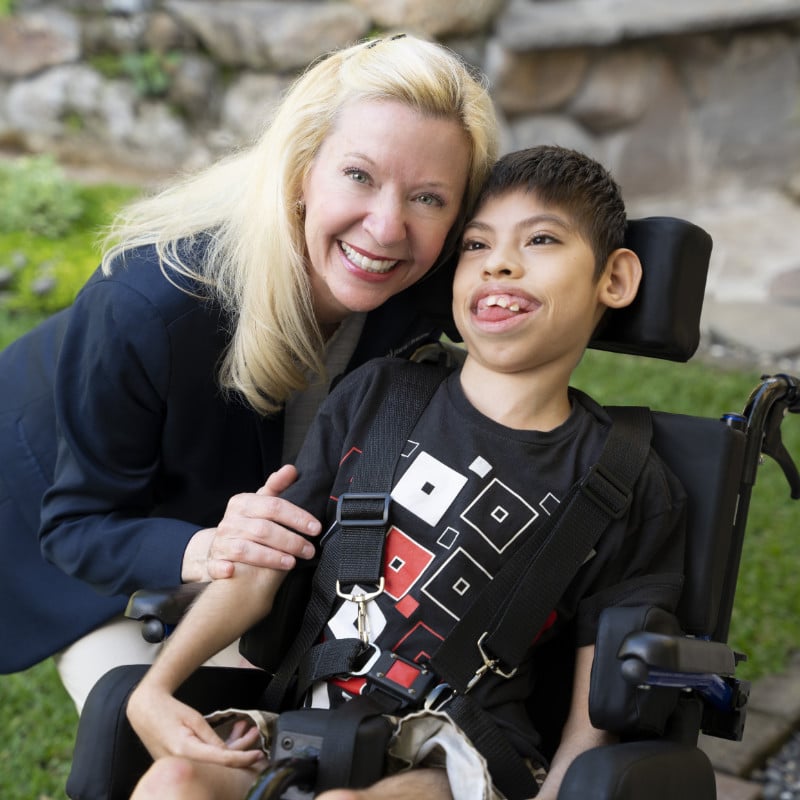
{"x": 533, "y": 400}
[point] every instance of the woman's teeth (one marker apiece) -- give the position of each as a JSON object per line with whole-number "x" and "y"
{"x": 367, "y": 264}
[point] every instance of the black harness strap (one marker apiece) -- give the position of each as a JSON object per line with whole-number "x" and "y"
{"x": 407, "y": 394}
{"x": 499, "y": 628}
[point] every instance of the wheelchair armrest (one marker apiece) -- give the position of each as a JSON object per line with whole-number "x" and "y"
{"x": 616, "y": 704}
{"x": 645, "y": 651}
{"x": 657, "y": 770}
{"x": 643, "y": 664}
{"x": 160, "y": 610}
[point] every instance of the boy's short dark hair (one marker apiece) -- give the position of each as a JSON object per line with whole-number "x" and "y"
{"x": 573, "y": 182}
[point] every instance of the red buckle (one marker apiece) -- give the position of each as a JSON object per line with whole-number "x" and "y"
{"x": 402, "y": 679}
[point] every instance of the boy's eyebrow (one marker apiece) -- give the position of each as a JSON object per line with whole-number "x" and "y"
{"x": 528, "y": 222}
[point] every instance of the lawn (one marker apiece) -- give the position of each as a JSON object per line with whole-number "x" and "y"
{"x": 36, "y": 717}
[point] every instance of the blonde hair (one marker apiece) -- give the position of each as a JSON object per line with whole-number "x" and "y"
{"x": 244, "y": 205}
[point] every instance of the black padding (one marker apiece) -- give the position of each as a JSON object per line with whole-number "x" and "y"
{"x": 648, "y": 770}
{"x": 108, "y": 758}
{"x": 664, "y": 319}
{"x": 706, "y": 455}
{"x": 614, "y": 704}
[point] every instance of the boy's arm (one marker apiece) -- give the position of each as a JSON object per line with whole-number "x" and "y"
{"x": 222, "y": 613}
{"x": 579, "y": 734}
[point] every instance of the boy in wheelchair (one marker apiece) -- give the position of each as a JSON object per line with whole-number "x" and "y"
{"x": 499, "y": 447}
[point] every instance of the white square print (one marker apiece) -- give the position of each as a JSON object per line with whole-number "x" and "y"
{"x": 428, "y": 488}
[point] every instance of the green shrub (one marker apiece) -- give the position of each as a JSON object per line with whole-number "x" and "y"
{"x": 36, "y": 197}
{"x": 47, "y": 273}
{"x": 151, "y": 72}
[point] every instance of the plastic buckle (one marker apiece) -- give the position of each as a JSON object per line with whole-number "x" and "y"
{"x": 368, "y": 664}
{"x": 439, "y": 697}
{"x": 361, "y": 521}
{"x": 606, "y": 492}
{"x": 401, "y": 679}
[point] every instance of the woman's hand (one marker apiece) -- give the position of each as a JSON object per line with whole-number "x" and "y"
{"x": 168, "y": 727}
{"x": 258, "y": 529}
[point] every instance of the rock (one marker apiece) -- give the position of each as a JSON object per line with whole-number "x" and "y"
{"x": 617, "y": 91}
{"x": 645, "y": 160}
{"x": 439, "y": 18}
{"x": 524, "y": 83}
{"x": 32, "y": 42}
{"x": 249, "y": 101}
{"x": 272, "y": 35}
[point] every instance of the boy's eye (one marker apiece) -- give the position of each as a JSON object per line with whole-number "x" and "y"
{"x": 469, "y": 245}
{"x": 542, "y": 238}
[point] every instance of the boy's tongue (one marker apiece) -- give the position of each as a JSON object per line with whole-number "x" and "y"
{"x": 497, "y": 308}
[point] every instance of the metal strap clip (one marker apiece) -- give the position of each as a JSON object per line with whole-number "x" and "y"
{"x": 489, "y": 665}
{"x": 361, "y": 601}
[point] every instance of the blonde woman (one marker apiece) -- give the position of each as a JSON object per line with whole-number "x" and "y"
{"x": 146, "y": 417}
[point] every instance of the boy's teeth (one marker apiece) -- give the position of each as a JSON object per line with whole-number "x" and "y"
{"x": 367, "y": 264}
{"x": 502, "y": 302}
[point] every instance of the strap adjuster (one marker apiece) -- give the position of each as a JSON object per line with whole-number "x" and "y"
{"x": 606, "y": 492}
{"x": 363, "y": 509}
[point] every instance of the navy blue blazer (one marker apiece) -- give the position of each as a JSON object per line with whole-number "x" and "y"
{"x": 118, "y": 445}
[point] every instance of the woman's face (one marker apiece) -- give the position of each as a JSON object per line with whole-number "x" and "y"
{"x": 383, "y": 192}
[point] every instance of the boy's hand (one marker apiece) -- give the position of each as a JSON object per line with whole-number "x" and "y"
{"x": 257, "y": 529}
{"x": 168, "y": 727}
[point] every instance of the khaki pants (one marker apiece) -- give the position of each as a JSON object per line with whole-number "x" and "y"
{"x": 421, "y": 739}
{"x": 114, "y": 644}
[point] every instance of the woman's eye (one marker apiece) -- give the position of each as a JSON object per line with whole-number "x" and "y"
{"x": 430, "y": 200}
{"x": 469, "y": 245}
{"x": 357, "y": 175}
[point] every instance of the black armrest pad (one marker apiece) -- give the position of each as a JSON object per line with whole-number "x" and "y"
{"x": 615, "y": 704}
{"x": 655, "y": 770}
{"x": 643, "y": 651}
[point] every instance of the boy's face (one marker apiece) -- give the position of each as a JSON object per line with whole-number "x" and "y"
{"x": 525, "y": 295}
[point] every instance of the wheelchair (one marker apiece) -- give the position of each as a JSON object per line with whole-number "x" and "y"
{"x": 658, "y": 680}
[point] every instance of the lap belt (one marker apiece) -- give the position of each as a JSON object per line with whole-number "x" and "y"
{"x": 496, "y": 633}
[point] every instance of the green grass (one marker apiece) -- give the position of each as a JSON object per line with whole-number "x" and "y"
{"x": 38, "y": 722}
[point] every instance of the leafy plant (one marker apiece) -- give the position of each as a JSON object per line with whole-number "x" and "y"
{"x": 37, "y": 198}
{"x": 151, "y": 72}
{"x": 47, "y": 273}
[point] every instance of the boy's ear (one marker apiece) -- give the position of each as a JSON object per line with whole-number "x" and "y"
{"x": 621, "y": 277}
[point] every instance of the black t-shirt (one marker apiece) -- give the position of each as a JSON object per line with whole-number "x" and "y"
{"x": 465, "y": 494}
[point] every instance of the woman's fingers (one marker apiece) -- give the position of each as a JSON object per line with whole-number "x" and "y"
{"x": 262, "y": 529}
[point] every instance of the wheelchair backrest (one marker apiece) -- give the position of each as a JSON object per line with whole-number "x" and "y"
{"x": 705, "y": 454}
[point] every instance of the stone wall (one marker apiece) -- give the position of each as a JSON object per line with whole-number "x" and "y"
{"x": 674, "y": 96}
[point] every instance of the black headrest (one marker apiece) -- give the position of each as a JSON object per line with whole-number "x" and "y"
{"x": 664, "y": 319}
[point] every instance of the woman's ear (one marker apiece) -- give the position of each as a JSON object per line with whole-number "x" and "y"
{"x": 621, "y": 277}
